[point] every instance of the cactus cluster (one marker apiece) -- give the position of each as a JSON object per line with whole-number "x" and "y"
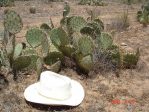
{"x": 92, "y": 2}
{"x": 83, "y": 38}
{"x": 12, "y": 22}
{"x": 143, "y": 15}
{"x": 47, "y": 47}
{"x": 11, "y": 54}
{"x": 4, "y": 3}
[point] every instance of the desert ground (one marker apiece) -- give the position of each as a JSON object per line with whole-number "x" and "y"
{"x": 104, "y": 87}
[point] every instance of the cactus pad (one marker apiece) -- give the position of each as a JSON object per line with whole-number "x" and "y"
{"x": 87, "y": 30}
{"x": 56, "y": 66}
{"x": 53, "y": 56}
{"x": 59, "y": 37}
{"x": 39, "y": 64}
{"x": 130, "y": 59}
{"x": 17, "y": 50}
{"x": 21, "y": 62}
{"x": 10, "y": 45}
{"x": 45, "y": 27}
{"x": 100, "y": 23}
{"x": 12, "y": 22}
{"x": 85, "y": 45}
{"x": 35, "y": 37}
{"x": 67, "y": 50}
{"x": 86, "y": 63}
{"x": 106, "y": 41}
{"x": 76, "y": 23}
{"x": 97, "y": 28}
{"x": 6, "y": 3}
{"x": 66, "y": 9}
{"x": 45, "y": 47}
{"x": 29, "y": 51}
{"x": 33, "y": 55}
{"x": 75, "y": 38}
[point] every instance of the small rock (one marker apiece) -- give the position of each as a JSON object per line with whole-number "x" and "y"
{"x": 123, "y": 44}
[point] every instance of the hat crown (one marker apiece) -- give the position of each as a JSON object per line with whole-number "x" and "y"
{"x": 53, "y": 85}
{"x": 51, "y": 79}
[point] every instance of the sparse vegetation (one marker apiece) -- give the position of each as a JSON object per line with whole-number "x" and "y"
{"x": 143, "y": 15}
{"x": 63, "y": 42}
{"x": 92, "y": 2}
{"x": 32, "y": 10}
{"x": 121, "y": 22}
{"x": 4, "y": 3}
{"x": 130, "y": 2}
{"x": 92, "y": 46}
{"x": 11, "y": 56}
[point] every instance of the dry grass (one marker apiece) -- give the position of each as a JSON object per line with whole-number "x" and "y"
{"x": 120, "y": 23}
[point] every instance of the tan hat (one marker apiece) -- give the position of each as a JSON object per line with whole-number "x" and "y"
{"x": 55, "y": 89}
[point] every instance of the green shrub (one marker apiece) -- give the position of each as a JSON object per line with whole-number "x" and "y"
{"x": 143, "y": 15}
{"x": 92, "y": 2}
{"x": 11, "y": 53}
{"x": 4, "y": 3}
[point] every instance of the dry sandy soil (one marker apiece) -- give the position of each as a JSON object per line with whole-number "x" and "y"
{"x": 101, "y": 90}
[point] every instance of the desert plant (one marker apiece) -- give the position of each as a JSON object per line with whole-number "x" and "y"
{"x": 130, "y": 2}
{"x": 45, "y": 53}
{"x": 83, "y": 38}
{"x": 32, "y": 9}
{"x": 4, "y": 3}
{"x": 66, "y": 9}
{"x": 11, "y": 53}
{"x": 143, "y": 15}
{"x": 77, "y": 40}
{"x": 92, "y": 2}
{"x": 120, "y": 22}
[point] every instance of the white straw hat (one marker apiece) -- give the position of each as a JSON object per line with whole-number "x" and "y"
{"x": 55, "y": 89}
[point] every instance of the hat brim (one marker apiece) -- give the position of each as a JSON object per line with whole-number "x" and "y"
{"x": 77, "y": 95}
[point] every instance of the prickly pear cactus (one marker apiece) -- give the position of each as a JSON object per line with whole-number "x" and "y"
{"x": 59, "y": 37}
{"x": 87, "y": 30}
{"x": 45, "y": 27}
{"x": 66, "y": 9}
{"x": 10, "y": 45}
{"x": 76, "y": 23}
{"x": 85, "y": 45}
{"x": 97, "y": 28}
{"x": 139, "y": 14}
{"x": 56, "y": 66}
{"x": 92, "y": 2}
{"x": 105, "y": 41}
{"x": 33, "y": 55}
{"x": 143, "y": 15}
{"x": 130, "y": 59}
{"x": 68, "y": 50}
{"x": 12, "y": 22}
{"x": 21, "y": 62}
{"x": 45, "y": 47}
{"x": 125, "y": 57}
{"x": 35, "y": 37}
{"x": 100, "y": 23}
{"x": 4, "y": 3}
{"x": 3, "y": 61}
{"x": 39, "y": 64}
{"x": 17, "y": 50}
{"x": 75, "y": 39}
{"x": 86, "y": 63}
{"x": 53, "y": 56}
